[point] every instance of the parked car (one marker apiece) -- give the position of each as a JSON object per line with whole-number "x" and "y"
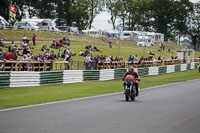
{"x": 26, "y": 25}
{"x": 3, "y": 23}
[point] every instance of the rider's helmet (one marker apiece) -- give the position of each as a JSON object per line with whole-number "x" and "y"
{"x": 131, "y": 69}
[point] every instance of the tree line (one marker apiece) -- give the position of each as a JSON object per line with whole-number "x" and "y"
{"x": 170, "y": 17}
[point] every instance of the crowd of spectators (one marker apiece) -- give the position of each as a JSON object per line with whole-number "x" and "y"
{"x": 91, "y": 62}
{"x": 25, "y": 51}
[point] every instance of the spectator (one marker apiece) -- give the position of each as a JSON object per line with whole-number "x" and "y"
{"x": 95, "y": 48}
{"x": 26, "y": 50}
{"x": 150, "y": 52}
{"x": 116, "y": 59}
{"x": 2, "y": 55}
{"x": 154, "y": 61}
{"x": 53, "y": 45}
{"x": 136, "y": 58}
{"x": 9, "y": 56}
{"x": 44, "y": 48}
{"x": 24, "y": 38}
{"x": 59, "y": 53}
{"x": 88, "y": 62}
{"x": 1, "y": 43}
{"x": 67, "y": 57}
{"x": 110, "y": 44}
{"x": 130, "y": 58}
{"x": 34, "y": 38}
{"x": 13, "y": 44}
{"x": 81, "y": 53}
{"x": 108, "y": 59}
{"x": 44, "y": 57}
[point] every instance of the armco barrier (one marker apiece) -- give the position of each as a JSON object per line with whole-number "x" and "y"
{"x": 153, "y": 71}
{"x": 27, "y": 78}
{"x": 177, "y": 68}
{"x": 119, "y": 73}
{"x": 107, "y": 74}
{"x": 51, "y": 77}
{"x": 4, "y": 79}
{"x": 192, "y": 65}
{"x": 145, "y": 71}
{"x": 140, "y": 72}
{"x": 188, "y": 66}
{"x": 72, "y": 76}
{"x": 91, "y": 75}
{"x": 170, "y": 68}
{"x": 162, "y": 69}
{"x": 196, "y": 65}
{"x": 183, "y": 67}
{"x": 22, "y": 79}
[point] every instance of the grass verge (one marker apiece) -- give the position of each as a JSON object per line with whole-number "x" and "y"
{"x": 14, "y": 97}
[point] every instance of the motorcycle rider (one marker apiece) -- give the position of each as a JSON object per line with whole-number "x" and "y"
{"x": 135, "y": 75}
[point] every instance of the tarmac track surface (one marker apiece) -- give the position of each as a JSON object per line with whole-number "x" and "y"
{"x": 172, "y": 108}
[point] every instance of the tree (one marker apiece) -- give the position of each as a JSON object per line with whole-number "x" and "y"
{"x": 111, "y": 7}
{"x": 182, "y": 10}
{"x": 94, "y": 8}
{"x": 194, "y": 26}
{"x": 45, "y": 8}
{"x": 4, "y": 9}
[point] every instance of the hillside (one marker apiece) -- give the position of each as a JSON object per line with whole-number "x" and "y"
{"x": 79, "y": 42}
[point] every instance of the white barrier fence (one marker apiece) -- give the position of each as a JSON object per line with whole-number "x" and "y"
{"x": 107, "y": 74}
{"x": 72, "y": 76}
{"x": 22, "y": 79}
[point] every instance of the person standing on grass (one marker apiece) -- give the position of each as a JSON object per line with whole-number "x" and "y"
{"x": 34, "y": 38}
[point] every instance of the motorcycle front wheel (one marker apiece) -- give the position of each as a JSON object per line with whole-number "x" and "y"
{"x": 127, "y": 93}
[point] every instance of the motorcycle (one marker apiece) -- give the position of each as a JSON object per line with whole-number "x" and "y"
{"x": 130, "y": 87}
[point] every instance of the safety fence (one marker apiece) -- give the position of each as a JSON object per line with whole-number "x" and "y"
{"x": 27, "y": 78}
{"x": 7, "y": 65}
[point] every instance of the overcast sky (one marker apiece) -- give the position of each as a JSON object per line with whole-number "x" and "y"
{"x": 101, "y": 20}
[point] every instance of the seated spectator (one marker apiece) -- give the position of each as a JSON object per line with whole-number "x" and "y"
{"x": 50, "y": 57}
{"x": 67, "y": 57}
{"x": 68, "y": 51}
{"x": 9, "y": 56}
{"x": 24, "y": 38}
{"x": 130, "y": 58}
{"x": 9, "y": 49}
{"x": 150, "y": 52}
{"x": 1, "y": 43}
{"x": 86, "y": 52}
{"x": 135, "y": 58}
{"x": 24, "y": 44}
{"x": 95, "y": 48}
{"x": 59, "y": 53}
{"x": 68, "y": 42}
{"x": 2, "y": 55}
{"x": 44, "y": 48}
{"x": 53, "y": 45}
{"x": 58, "y": 45}
{"x": 116, "y": 59}
{"x": 81, "y": 53}
{"x": 89, "y": 47}
{"x": 26, "y": 50}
